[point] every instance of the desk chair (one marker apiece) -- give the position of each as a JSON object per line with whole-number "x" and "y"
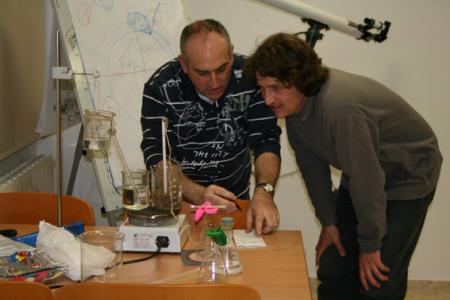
{"x": 142, "y": 291}
{"x": 32, "y": 207}
{"x": 22, "y": 290}
{"x": 240, "y": 217}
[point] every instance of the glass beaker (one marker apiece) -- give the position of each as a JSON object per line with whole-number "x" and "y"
{"x": 202, "y": 242}
{"x": 166, "y": 187}
{"x": 232, "y": 265}
{"x": 101, "y": 255}
{"x": 135, "y": 189}
{"x": 98, "y": 128}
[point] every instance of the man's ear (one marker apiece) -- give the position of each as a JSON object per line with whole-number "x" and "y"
{"x": 183, "y": 63}
{"x": 231, "y": 54}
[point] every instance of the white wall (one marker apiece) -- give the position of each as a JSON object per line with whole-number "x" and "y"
{"x": 413, "y": 61}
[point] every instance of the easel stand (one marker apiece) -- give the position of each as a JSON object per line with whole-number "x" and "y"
{"x": 64, "y": 73}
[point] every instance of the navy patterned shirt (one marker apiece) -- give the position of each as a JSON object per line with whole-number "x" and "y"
{"x": 212, "y": 141}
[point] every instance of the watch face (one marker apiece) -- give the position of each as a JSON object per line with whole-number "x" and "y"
{"x": 268, "y": 188}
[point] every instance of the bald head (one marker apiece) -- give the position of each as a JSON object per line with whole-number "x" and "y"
{"x": 203, "y": 29}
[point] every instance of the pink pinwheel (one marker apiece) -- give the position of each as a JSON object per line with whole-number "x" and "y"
{"x": 206, "y": 208}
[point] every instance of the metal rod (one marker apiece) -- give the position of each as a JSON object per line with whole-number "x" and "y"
{"x": 58, "y": 135}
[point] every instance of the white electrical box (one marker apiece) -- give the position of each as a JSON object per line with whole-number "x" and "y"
{"x": 143, "y": 239}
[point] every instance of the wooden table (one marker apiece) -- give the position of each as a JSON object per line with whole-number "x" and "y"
{"x": 277, "y": 271}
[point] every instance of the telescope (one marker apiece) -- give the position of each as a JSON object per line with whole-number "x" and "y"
{"x": 368, "y": 30}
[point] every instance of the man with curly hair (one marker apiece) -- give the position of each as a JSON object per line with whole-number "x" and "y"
{"x": 388, "y": 155}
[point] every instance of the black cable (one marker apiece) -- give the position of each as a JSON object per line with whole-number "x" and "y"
{"x": 131, "y": 261}
{"x": 158, "y": 250}
{"x": 109, "y": 171}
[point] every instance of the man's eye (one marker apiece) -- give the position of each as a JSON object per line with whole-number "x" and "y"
{"x": 277, "y": 88}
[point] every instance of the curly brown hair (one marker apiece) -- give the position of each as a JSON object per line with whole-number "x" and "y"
{"x": 290, "y": 60}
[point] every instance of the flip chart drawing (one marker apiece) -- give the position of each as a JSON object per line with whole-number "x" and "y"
{"x": 113, "y": 47}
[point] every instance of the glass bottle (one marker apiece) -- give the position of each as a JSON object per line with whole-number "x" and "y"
{"x": 230, "y": 255}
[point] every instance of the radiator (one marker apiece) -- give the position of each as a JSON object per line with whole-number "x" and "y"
{"x": 34, "y": 175}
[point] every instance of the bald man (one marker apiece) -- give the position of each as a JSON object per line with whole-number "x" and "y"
{"x": 217, "y": 121}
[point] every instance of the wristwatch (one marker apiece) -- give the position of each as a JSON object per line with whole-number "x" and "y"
{"x": 266, "y": 186}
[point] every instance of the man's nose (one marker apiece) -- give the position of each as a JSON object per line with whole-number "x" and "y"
{"x": 213, "y": 80}
{"x": 269, "y": 98}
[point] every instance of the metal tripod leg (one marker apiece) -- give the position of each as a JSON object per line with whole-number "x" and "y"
{"x": 76, "y": 162}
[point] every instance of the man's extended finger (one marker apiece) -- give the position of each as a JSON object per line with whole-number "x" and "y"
{"x": 372, "y": 280}
{"x": 258, "y": 221}
{"x": 249, "y": 220}
{"x": 378, "y": 269}
{"x": 380, "y": 275}
{"x": 384, "y": 268}
{"x": 362, "y": 278}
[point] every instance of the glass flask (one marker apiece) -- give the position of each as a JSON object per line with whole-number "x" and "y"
{"x": 229, "y": 252}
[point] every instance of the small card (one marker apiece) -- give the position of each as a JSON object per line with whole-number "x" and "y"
{"x": 248, "y": 240}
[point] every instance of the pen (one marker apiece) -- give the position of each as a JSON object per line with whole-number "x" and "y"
{"x": 215, "y": 206}
{"x": 237, "y": 205}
